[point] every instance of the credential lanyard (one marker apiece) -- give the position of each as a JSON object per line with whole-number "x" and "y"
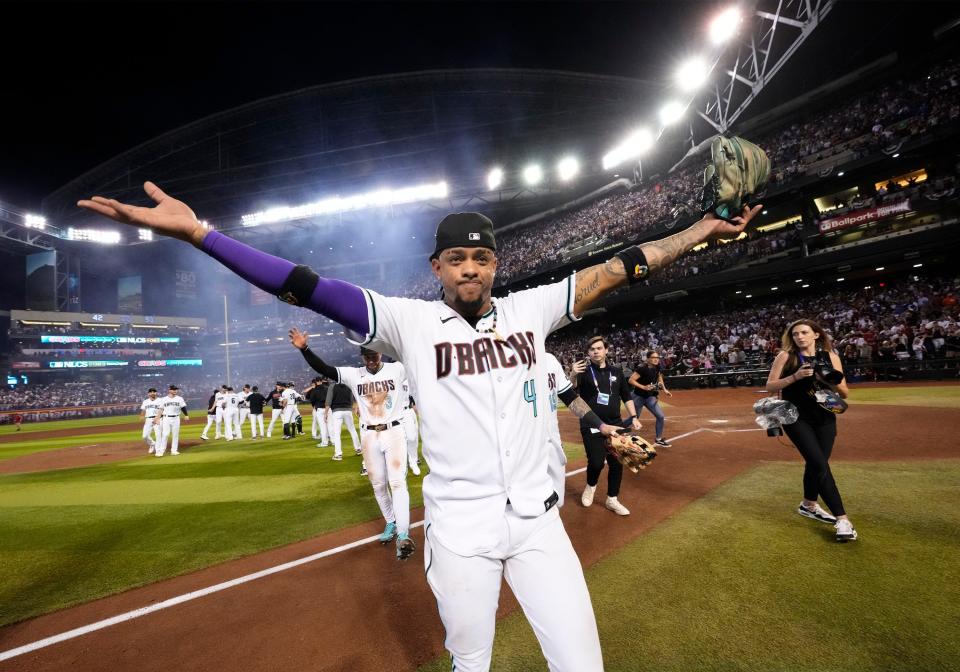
{"x": 602, "y": 397}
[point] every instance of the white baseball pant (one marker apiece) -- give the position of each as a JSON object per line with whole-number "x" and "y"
{"x": 337, "y": 419}
{"x": 411, "y": 429}
{"x": 238, "y": 422}
{"x": 537, "y": 560}
{"x": 276, "y": 412}
{"x": 150, "y": 428}
{"x": 255, "y": 419}
{"x": 385, "y": 456}
{"x": 319, "y": 425}
{"x": 219, "y": 414}
{"x": 211, "y": 419}
{"x": 230, "y": 423}
{"x": 244, "y": 412}
{"x": 170, "y": 428}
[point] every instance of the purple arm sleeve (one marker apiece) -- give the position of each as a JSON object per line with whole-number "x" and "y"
{"x": 338, "y": 300}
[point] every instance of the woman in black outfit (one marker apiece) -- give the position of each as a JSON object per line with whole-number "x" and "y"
{"x": 816, "y": 429}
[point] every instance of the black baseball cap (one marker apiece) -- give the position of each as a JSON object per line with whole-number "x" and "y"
{"x": 367, "y": 352}
{"x": 173, "y": 387}
{"x": 464, "y": 229}
{"x": 152, "y": 389}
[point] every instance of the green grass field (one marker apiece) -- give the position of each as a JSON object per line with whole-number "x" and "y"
{"x": 738, "y": 581}
{"x": 71, "y": 535}
{"x": 934, "y": 396}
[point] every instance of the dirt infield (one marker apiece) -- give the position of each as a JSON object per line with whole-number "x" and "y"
{"x": 361, "y": 610}
{"x": 14, "y": 437}
{"x": 80, "y": 456}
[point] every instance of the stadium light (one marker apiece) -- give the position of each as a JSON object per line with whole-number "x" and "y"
{"x": 94, "y": 235}
{"x": 145, "y": 234}
{"x": 724, "y": 25}
{"x": 568, "y": 168}
{"x": 335, "y": 204}
{"x": 692, "y": 74}
{"x": 671, "y": 113}
{"x": 494, "y": 178}
{"x": 532, "y": 174}
{"x": 879, "y": 268}
{"x": 35, "y": 222}
{"x": 631, "y": 148}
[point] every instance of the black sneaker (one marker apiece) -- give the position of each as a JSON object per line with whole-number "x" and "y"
{"x": 663, "y": 443}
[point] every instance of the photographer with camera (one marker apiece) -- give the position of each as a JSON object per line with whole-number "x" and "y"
{"x": 809, "y": 374}
{"x": 647, "y": 383}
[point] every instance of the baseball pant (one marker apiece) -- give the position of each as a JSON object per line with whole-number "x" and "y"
{"x": 230, "y": 423}
{"x": 288, "y": 416}
{"x": 319, "y": 425}
{"x": 255, "y": 419}
{"x": 412, "y": 431}
{"x": 536, "y": 558}
{"x": 276, "y": 412}
{"x": 594, "y": 444}
{"x": 337, "y": 419}
{"x": 385, "y": 456}
{"x": 219, "y": 413}
{"x": 149, "y": 428}
{"x": 211, "y": 419}
{"x": 244, "y": 412}
{"x": 170, "y": 428}
{"x": 238, "y": 422}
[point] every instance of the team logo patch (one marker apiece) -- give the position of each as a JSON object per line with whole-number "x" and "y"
{"x": 473, "y": 236}
{"x": 640, "y": 271}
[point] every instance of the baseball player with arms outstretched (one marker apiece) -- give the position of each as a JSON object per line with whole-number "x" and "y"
{"x": 473, "y": 365}
{"x": 150, "y": 414}
{"x": 378, "y": 388}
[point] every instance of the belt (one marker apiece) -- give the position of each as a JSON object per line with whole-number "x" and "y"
{"x": 172, "y": 416}
{"x": 381, "y": 427}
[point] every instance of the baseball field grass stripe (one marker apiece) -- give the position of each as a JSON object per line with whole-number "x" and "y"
{"x": 186, "y": 597}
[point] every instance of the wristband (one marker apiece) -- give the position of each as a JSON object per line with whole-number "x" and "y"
{"x": 635, "y": 263}
{"x": 592, "y": 419}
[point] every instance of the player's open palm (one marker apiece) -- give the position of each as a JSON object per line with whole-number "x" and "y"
{"x": 298, "y": 338}
{"x": 169, "y": 217}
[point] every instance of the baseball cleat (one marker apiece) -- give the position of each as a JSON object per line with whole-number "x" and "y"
{"x": 337, "y": 458}
{"x": 363, "y": 471}
{"x": 414, "y": 468}
{"x": 357, "y": 451}
{"x": 405, "y": 547}
{"x": 845, "y": 531}
{"x": 587, "y": 497}
{"x": 204, "y": 437}
{"x": 613, "y": 504}
{"x": 174, "y": 452}
{"x": 388, "y": 534}
{"x": 816, "y": 513}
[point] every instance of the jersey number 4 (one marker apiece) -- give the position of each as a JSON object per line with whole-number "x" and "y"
{"x": 530, "y": 394}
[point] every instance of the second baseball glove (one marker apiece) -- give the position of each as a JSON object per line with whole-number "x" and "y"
{"x": 631, "y": 451}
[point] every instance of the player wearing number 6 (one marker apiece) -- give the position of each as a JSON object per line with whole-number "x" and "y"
{"x": 472, "y": 362}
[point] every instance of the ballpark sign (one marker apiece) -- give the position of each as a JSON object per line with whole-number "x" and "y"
{"x": 861, "y": 216}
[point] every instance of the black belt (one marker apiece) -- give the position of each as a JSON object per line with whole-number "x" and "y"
{"x": 172, "y": 416}
{"x": 381, "y": 427}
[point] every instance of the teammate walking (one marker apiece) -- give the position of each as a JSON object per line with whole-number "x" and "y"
{"x": 647, "y": 383}
{"x": 340, "y": 411}
{"x": 211, "y": 416}
{"x": 150, "y": 414}
{"x": 231, "y": 414}
{"x": 256, "y": 401}
{"x": 473, "y": 366}
{"x": 173, "y": 405}
{"x": 378, "y": 387}
{"x": 276, "y": 406}
{"x": 316, "y": 394}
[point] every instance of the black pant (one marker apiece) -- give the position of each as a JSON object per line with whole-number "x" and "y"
{"x": 596, "y": 455}
{"x": 815, "y": 443}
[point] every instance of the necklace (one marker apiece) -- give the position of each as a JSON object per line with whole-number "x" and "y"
{"x": 492, "y": 329}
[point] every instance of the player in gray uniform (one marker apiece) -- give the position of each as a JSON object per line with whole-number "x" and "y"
{"x": 472, "y": 361}
{"x": 150, "y": 414}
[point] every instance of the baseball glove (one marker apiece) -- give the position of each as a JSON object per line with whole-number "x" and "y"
{"x": 738, "y": 171}
{"x": 631, "y": 451}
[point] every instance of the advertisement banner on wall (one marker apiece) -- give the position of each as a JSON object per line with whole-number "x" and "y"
{"x": 866, "y": 215}
{"x": 186, "y": 284}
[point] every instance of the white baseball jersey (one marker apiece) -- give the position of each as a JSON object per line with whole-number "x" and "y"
{"x": 290, "y": 396}
{"x": 243, "y": 399}
{"x": 218, "y": 399}
{"x": 556, "y": 382}
{"x": 405, "y": 394}
{"x": 379, "y": 395}
{"x": 151, "y": 407}
{"x": 232, "y": 399}
{"x": 172, "y": 405}
{"x": 481, "y": 406}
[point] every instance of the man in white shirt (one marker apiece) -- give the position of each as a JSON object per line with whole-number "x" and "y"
{"x": 150, "y": 414}
{"x": 172, "y": 406}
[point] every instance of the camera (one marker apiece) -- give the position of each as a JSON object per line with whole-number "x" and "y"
{"x": 823, "y": 369}
{"x": 775, "y": 431}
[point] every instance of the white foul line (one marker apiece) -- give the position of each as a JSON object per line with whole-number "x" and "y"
{"x": 187, "y": 597}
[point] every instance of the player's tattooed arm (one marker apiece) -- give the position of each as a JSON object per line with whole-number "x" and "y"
{"x": 582, "y": 410}
{"x": 595, "y": 282}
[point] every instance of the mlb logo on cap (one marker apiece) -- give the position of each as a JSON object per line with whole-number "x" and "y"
{"x": 474, "y": 236}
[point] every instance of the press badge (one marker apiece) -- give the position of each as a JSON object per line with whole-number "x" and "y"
{"x": 603, "y": 399}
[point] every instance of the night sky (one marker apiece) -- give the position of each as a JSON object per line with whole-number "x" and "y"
{"x": 121, "y": 74}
